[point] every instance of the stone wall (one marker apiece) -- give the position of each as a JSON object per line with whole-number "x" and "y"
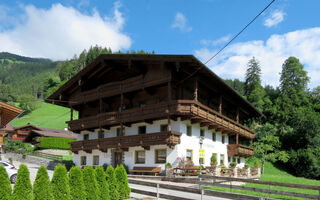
{"x": 49, "y": 164}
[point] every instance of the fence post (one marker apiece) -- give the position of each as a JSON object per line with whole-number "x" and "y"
{"x": 269, "y": 190}
{"x": 230, "y": 186}
{"x": 158, "y": 191}
{"x": 201, "y": 194}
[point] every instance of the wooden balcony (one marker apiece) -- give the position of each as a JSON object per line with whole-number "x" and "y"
{"x": 187, "y": 109}
{"x": 115, "y": 88}
{"x": 240, "y": 150}
{"x": 124, "y": 142}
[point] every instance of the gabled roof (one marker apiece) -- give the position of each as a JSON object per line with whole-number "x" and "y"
{"x": 8, "y": 113}
{"x": 7, "y": 128}
{"x": 55, "y": 133}
{"x": 27, "y": 126}
{"x": 197, "y": 66}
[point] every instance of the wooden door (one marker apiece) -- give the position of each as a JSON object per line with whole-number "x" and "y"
{"x": 117, "y": 158}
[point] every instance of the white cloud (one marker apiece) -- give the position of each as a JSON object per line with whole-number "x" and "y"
{"x": 180, "y": 22}
{"x": 60, "y": 32}
{"x": 219, "y": 41}
{"x": 303, "y": 44}
{"x": 276, "y": 17}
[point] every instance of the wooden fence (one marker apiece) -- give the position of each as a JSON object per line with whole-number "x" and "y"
{"x": 217, "y": 181}
{"x": 47, "y": 156}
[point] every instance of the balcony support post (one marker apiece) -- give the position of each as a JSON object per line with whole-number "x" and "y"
{"x": 196, "y": 90}
{"x": 237, "y": 118}
{"x": 169, "y": 99}
{"x": 121, "y": 107}
{"x": 237, "y": 138}
{"x": 71, "y": 113}
{"x": 220, "y": 105}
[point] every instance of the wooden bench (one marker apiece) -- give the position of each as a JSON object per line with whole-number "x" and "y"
{"x": 154, "y": 170}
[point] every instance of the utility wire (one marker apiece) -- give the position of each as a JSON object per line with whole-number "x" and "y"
{"x": 244, "y": 28}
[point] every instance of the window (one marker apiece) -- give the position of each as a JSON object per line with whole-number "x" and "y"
{"x": 214, "y": 136}
{"x": 222, "y": 139}
{"x": 95, "y": 160}
{"x": 221, "y": 159}
{"x": 189, "y": 155}
{"x": 229, "y": 159}
{"x": 85, "y": 136}
{"x": 164, "y": 128}
{"x": 142, "y": 130}
{"x": 161, "y": 156}
{"x": 238, "y": 160}
{"x": 140, "y": 157}
{"x": 83, "y": 160}
{"x": 189, "y": 130}
{"x": 119, "y": 132}
{"x": 201, "y": 133}
{"x": 100, "y": 134}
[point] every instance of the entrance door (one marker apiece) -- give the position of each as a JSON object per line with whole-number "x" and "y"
{"x": 117, "y": 158}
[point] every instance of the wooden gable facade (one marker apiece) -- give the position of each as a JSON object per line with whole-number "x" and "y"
{"x": 122, "y": 89}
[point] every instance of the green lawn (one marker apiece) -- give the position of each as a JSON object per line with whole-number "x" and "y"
{"x": 276, "y": 175}
{"x": 46, "y": 116}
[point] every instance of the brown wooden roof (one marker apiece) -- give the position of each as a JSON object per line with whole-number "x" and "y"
{"x": 192, "y": 61}
{"x": 55, "y": 133}
{"x": 8, "y": 113}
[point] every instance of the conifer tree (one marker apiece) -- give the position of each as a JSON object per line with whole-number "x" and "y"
{"x": 102, "y": 183}
{"x": 77, "y": 189}
{"x": 5, "y": 187}
{"x": 60, "y": 183}
{"x": 90, "y": 183}
{"x": 122, "y": 178}
{"x": 23, "y": 188}
{"x": 113, "y": 183}
{"x": 42, "y": 188}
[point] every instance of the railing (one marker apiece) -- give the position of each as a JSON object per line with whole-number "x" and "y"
{"x": 239, "y": 150}
{"x": 168, "y": 138}
{"x": 46, "y": 155}
{"x": 217, "y": 181}
{"x": 114, "y": 88}
{"x": 158, "y": 111}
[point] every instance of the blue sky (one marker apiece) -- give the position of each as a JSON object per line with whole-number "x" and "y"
{"x": 61, "y": 29}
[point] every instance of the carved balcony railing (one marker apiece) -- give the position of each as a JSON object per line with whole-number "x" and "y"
{"x": 188, "y": 109}
{"x": 170, "y": 139}
{"x": 240, "y": 150}
{"x": 115, "y": 88}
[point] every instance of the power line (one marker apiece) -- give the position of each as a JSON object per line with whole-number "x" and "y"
{"x": 244, "y": 28}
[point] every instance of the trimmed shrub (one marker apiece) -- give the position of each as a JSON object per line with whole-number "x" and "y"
{"x": 55, "y": 143}
{"x": 123, "y": 186}
{"x": 90, "y": 183}
{"x": 42, "y": 188}
{"x": 113, "y": 183}
{"x": 77, "y": 190}
{"x": 102, "y": 183}
{"x": 5, "y": 187}
{"x": 60, "y": 183}
{"x": 23, "y": 188}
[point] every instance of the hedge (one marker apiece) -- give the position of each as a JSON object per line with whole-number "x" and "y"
{"x": 102, "y": 183}
{"x": 5, "y": 185}
{"x": 41, "y": 187}
{"x": 60, "y": 183}
{"x": 55, "y": 143}
{"x": 113, "y": 183}
{"x": 77, "y": 189}
{"x": 23, "y": 189}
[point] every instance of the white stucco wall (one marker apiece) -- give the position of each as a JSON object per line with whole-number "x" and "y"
{"x": 187, "y": 142}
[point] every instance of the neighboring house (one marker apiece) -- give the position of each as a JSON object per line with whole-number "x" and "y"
{"x": 35, "y": 135}
{"x": 7, "y": 114}
{"x": 20, "y": 133}
{"x": 148, "y": 110}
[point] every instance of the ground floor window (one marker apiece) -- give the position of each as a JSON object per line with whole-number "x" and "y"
{"x": 140, "y": 157}
{"x": 83, "y": 160}
{"x": 221, "y": 159}
{"x": 238, "y": 160}
{"x": 189, "y": 155}
{"x": 163, "y": 127}
{"x": 160, "y": 156}
{"x": 95, "y": 160}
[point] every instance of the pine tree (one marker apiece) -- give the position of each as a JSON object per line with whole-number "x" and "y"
{"x": 90, "y": 183}
{"x": 102, "y": 183}
{"x": 42, "y": 188}
{"x": 113, "y": 183}
{"x": 5, "y": 187}
{"x": 23, "y": 188}
{"x": 60, "y": 183}
{"x": 77, "y": 189}
{"x": 122, "y": 178}
{"x": 252, "y": 86}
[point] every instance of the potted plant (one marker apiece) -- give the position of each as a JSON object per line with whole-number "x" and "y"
{"x": 214, "y": 161}
{"x": 233, "y": 164}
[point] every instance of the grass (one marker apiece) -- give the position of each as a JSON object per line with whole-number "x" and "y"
{"x": 46, "y": 116}
{"x": 274, "y": 174}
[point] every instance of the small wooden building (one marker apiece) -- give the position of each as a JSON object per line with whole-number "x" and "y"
{"x": 7, "y": 114}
